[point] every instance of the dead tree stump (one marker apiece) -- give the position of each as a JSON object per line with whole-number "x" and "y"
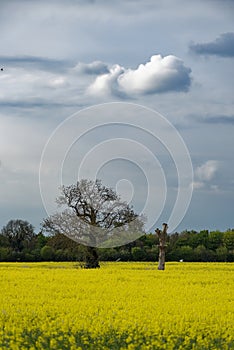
{"x": 162, "y": 235}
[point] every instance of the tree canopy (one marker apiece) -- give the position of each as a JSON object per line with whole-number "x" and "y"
{"x": 94, "y": 215}
{"x": 19, "y": 234}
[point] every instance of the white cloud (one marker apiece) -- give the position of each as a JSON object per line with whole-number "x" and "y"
{"x": 57, "y": 35}
{"x": 204, "y": 174}
{"x": 207, "y": 171}
{"x": 107, "y": 84}
{"x": 160, "y": 74}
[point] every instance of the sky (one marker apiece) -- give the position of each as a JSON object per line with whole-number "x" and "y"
{"x": 149, "y": 85}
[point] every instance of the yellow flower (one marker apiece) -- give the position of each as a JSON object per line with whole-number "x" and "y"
{"x": 121, "y": 306}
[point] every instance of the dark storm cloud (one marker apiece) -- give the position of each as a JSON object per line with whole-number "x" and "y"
{"x": 222, "y": 46}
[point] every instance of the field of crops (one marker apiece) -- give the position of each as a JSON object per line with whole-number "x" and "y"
{"x": 119, "y": 306}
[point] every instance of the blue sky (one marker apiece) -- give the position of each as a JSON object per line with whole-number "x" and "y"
{"x": 174, "y": 57}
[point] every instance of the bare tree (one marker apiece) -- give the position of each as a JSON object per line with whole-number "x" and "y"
{"x": 94, "y": 215}
{"x": 162, "y": 235}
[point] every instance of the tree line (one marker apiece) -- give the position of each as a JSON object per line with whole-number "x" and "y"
{"x": 93, "y": 215}
{"x": 19, "y": 242}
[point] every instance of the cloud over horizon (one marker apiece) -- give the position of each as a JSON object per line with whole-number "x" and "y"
{"x": 159, "y": 75}
{"x": 204, "y": 174}
{"x": 222, "y": 46}
{"x": 60, "y": 57}
{"x": 49, "y": 82}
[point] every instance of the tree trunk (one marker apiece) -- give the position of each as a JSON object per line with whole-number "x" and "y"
{"x": 162, "y": 235}
{"x": 91, "y": 258}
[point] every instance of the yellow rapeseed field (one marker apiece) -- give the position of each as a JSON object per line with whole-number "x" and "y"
{"x": 119, "y": 306}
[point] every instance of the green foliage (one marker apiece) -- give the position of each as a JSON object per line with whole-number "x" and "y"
{"x": 187, "y": 245}
{"x": 5, "y": 253}
{"x": 215, "y": 239}
{"x": 19, "y": 234}
{"x": 221, "y": 254}
{"x": 185, "y": 253}
{"x": 47, "y": 253}
{"x": 138, "y": 254}
{"x": 229, "y": 240}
